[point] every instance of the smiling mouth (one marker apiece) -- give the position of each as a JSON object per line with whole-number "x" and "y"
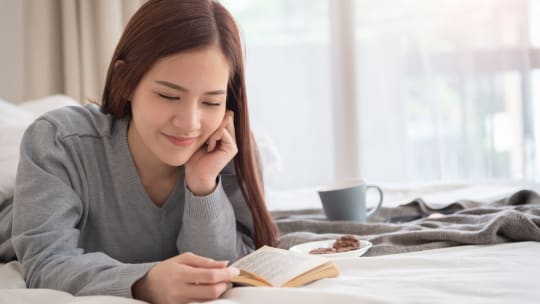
{"x": 180, "y": 141}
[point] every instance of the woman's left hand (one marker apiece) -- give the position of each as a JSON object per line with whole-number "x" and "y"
{"x": 204, "y": 166}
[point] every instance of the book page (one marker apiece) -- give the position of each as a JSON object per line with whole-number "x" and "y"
{"x": 276, "y": 265}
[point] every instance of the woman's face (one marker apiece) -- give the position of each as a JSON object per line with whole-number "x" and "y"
{"x": 178, "y": 104}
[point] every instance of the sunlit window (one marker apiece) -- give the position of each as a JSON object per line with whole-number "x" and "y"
{"x": 444, "y": 82}
{"x": 288, "y": 72}
{"x": 445, "y": 89}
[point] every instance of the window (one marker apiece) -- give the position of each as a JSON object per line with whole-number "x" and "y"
{"x": 450, "y": 96}
{"x": 444, "y": 89}
{"x": 288, "y": 72}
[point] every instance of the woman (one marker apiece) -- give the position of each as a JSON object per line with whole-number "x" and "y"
{"x": 150, "y": 195}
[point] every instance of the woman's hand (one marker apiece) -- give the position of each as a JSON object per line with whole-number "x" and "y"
{"x": 184, "y": 278}
{"x": 203, "y": 167}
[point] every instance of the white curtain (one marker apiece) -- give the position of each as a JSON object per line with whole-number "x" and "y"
{"x": 287, "y": 46}
{"x": 444, "y": 89}
{"x": 68, "y": 45}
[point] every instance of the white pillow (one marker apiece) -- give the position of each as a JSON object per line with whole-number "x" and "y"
{"x": 41, "y": 106}
{"x": 13, "y": 122}
{"x": 10, "y": 137}
{"x": 12, "y": 115}
{"x": 270, "y": 159}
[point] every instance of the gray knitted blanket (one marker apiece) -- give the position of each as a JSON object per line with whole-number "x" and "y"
{"x": 414, "y": 227}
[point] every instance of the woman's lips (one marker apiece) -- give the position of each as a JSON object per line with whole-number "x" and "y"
{"x": 180, "y": 141}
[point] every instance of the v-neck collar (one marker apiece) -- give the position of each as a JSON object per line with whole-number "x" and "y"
{"x": 131, "y": 179}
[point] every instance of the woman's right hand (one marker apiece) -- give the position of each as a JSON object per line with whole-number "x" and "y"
{"x": 184, "y": 278}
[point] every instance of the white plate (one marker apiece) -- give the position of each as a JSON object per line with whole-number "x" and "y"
{"x": 307, "y": 247}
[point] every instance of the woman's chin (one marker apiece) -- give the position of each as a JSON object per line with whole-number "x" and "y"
{"x": 175, "y": 161}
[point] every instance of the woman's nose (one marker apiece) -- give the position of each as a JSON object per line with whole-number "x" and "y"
{"x": 187, "y": 117}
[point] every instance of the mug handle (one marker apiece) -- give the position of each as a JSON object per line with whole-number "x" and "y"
{"x": 380, "y": 201}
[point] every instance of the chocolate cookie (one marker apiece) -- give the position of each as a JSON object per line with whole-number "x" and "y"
{"x": 346, "y": 243}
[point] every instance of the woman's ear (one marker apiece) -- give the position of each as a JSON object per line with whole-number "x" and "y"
{"x": 120, "y": 71}
{"x": 118, "y": 64}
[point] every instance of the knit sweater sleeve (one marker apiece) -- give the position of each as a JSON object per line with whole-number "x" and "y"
{"x": 46, "y": 211}
{"x": 211, "y": 227}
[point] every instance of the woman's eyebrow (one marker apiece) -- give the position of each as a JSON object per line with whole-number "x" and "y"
{"x": 181, "y": 88}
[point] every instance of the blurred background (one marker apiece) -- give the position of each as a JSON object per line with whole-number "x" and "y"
{"x": 394, "y": 91}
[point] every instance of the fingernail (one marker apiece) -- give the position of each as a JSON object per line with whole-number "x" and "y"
{"x": 235, "y": 271}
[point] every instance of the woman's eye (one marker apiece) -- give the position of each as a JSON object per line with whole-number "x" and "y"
{"x": 211, "y": 103}
{"x": 168, "y": 97}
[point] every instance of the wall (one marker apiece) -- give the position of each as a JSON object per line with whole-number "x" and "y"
{"x": 11, "y": 50}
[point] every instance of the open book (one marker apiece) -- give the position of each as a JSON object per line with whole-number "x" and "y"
{"x": 269, "y": 266}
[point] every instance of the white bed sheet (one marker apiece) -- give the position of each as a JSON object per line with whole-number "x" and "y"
{"x": 504, "y": 273}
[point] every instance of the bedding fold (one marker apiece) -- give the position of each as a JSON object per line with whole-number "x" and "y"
{"x": 511, "y": 219}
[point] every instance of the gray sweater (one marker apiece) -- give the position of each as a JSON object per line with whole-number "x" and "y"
{"x": 83, "y": 223}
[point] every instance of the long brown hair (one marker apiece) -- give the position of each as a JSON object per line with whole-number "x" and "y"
{"x": 162, "y": 28}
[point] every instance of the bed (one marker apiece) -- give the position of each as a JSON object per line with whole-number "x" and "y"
{"x": 505, "y": 271}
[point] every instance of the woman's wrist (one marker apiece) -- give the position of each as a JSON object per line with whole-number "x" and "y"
{"x": 201, "y": 187}
{"x": 140, "y": 291}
